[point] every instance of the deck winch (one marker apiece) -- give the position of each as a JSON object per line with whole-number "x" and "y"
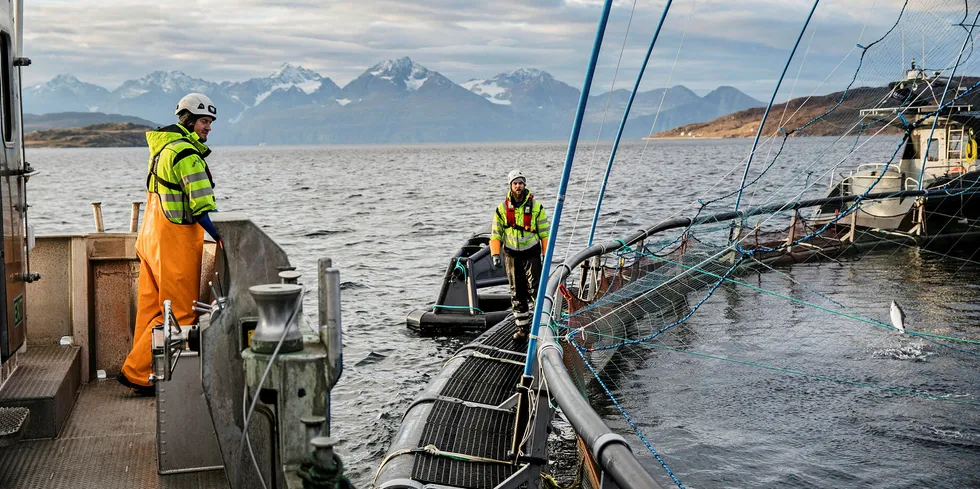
{"x": 273, "y": 422}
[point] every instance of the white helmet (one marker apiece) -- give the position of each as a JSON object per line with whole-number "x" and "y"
{"x": 197, "y": 104}
{"x": 514, "y": 175}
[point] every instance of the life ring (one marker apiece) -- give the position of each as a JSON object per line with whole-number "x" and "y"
{"x": 971, "y": 152}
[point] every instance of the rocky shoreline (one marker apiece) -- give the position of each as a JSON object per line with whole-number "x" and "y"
{"x": 108, "y": 135}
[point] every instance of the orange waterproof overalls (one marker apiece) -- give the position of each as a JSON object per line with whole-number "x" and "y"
{"x": 170, "y": 269}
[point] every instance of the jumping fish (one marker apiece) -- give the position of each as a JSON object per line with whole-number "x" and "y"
{"x": 898, "y": 317}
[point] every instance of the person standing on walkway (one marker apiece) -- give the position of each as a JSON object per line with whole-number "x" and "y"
{"x": 520, "y": 232}
{"x": 171, "y": 239}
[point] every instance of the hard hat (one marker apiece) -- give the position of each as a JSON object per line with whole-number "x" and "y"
{"x": 514, "y": 175}
{"x": 197, "y": 104}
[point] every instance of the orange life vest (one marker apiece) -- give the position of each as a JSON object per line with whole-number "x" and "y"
{"x": 512, "y": 219}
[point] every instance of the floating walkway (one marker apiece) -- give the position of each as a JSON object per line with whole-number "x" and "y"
{"x": 458, "y": 432}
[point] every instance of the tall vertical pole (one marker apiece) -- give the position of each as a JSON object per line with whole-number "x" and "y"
{"x": 566, "y": 171}
{"x": 622, "y": 123}
{"x": 772, "y": 99}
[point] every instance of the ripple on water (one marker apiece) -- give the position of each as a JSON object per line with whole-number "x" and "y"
{"x": 722, "y": 425}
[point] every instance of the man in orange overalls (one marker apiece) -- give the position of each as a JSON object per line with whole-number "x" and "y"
{"x": 171, "y": 240}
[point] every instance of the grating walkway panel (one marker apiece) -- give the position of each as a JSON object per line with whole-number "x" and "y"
{"x": 483, "y": 380}
{"x": 453, "y": 427}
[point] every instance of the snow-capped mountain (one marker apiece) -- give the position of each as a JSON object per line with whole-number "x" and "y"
{"x": 168, "y": 82}
{"x": 526, "y": 88}
{"x": 65, "y": 93}
{"x": 403, "y": 73}
{"x": 389, "y": 78}
{"x": 252, "y": 92}
{"x": 394, "y": 101}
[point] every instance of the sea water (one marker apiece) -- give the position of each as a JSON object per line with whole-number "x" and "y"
{"x": 390, "y": 217}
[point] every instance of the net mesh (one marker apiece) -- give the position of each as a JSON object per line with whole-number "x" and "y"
{"x": 769, "y": 349}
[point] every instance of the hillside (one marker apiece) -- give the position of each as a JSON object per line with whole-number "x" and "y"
{"x": 745, "y": 123}
{"x": 64, "y": 120}
{"x": 109, "y": 135}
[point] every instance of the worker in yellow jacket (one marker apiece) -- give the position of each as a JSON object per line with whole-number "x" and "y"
{"x": 519, "y": 233}
{"x": 171, "y": 239}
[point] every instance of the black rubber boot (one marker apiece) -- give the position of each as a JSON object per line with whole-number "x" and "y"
{"x": 520, "y": 335}
{"x": 139, "y": 390}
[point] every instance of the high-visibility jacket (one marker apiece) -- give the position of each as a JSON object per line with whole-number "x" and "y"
{"x": 178, "y": 173}
{"x": 520, "y": 226}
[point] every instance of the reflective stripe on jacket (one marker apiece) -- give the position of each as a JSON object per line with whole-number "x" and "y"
{"x": 178, "y": 173}
{"x": 516, "y": 237}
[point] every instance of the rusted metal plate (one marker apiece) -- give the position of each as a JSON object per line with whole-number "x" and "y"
{"x": 111, "y": 306}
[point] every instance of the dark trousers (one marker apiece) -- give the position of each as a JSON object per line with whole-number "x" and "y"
{"x": 523, "y": 272}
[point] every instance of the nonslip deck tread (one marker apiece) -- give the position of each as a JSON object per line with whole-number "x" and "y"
{"x": 474, "y": 431}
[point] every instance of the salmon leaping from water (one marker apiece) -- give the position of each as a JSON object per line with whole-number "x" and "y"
{"x": 898, "y": 317}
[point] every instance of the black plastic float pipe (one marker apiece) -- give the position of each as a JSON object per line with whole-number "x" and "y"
{"x": 611, "y": 450}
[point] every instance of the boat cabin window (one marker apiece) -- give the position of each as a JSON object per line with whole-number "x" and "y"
{"x": 912, "y": 151}
{"x": 6, "y": 98}
{"x": 933, "y": 150}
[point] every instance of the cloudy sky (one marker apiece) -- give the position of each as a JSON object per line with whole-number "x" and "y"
{"x": 742, "y": 43}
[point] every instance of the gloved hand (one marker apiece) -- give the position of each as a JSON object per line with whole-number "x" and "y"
{"x": 496, "y": 261}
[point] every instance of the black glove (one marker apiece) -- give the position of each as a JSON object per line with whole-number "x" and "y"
{"x": 496, "y": 261}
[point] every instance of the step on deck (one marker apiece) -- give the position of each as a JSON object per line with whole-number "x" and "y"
{"x": 13, "y": 420}
{"x": 46, "y": 382}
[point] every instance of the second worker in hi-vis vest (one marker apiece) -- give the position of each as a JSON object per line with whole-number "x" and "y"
{"x": 520, "y": 234}
{"x": 179, "y": 196}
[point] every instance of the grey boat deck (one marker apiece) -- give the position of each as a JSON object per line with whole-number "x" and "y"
{"x": 463, "y": 417}
{"x": 108, "y": 443}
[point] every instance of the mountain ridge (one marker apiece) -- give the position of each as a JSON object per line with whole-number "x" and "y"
{"x": 395, "y": 100}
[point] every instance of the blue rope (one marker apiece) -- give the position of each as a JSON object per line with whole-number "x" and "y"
{"x": 627, "y": 416}
{"x": 440, "y": 306}
{"x": 459, "y": 266}
{"x": 951, "y": 347}
{"x": 682, "y": 320}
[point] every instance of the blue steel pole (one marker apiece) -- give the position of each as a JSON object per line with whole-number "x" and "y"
{"x": 942, "y": 100}
{"x": 622, "y": 124}
{"x": 765, "y": 116}
{"x": 532, "y": 343}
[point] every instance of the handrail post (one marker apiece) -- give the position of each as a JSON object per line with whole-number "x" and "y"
{"x": 134, "y": 218}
